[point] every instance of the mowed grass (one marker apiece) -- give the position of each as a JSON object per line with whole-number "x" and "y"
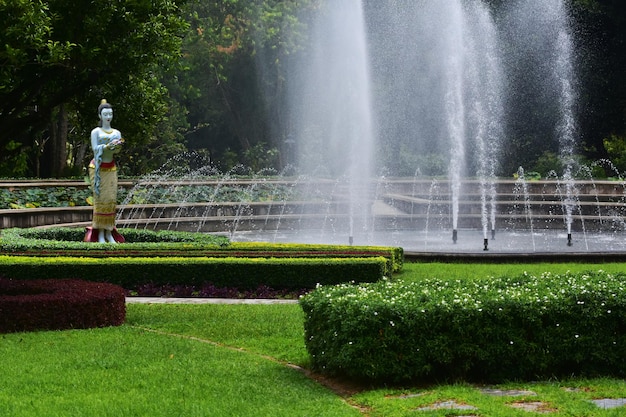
{"x": 415, "y": 270}
{"x": 232, "y": 360}
{"x": 127, "y": 371}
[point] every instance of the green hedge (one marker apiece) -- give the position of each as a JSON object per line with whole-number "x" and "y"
{"x": 70, "y": 239}
{"x": 144, "y": 243}
{"x": 492, "y": 329}
{"x": 242, "y": 273}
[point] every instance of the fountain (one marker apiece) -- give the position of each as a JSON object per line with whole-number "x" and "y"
{"x": 333, "y": 124}
{"x": 397, "y": 114}
{"x": 460, "y": 81}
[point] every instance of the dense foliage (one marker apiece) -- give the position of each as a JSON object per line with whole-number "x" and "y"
{"x": 491, "y": 329}
{"x": 211, "y": 76}
{"x": 59, "y": 58}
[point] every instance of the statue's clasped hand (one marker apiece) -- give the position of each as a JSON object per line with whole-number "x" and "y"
{"x": 115, "y": 143}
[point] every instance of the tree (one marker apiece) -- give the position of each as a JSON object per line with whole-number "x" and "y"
{"x": 235, "y": 53}
{"x": 63, "y": 56}
{"x": 602, "y": 46}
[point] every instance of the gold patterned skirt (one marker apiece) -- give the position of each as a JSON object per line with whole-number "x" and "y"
{"x": 104, "y": 204}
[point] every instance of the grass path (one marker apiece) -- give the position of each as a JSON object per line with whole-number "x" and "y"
{"x": 128, "y": 371}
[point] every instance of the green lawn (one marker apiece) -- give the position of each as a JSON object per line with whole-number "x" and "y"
{"x": 232, "y": 360}
{"x": 128, "y": 371}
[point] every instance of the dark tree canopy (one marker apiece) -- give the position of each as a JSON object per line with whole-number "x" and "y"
{"x": 210, "y": 75}
{"x": 58, "y": 52}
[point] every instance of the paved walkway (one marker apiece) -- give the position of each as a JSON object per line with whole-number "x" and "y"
{"x": 195, "y": 300}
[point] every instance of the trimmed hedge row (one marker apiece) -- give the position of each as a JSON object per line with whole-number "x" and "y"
{"x": 145, "y": 243}
{"x": 57, "y": 239}
{"x": 487, "y": 330}
{"x": 59, "y": 304}
{"x": 242, "y": 273}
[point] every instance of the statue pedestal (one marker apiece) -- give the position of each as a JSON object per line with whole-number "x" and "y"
{"x": 91, "y": 235}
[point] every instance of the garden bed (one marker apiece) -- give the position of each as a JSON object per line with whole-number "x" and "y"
{"x": 191, "y": 262}
{"x": 65, "y": 241}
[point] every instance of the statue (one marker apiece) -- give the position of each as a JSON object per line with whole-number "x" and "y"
{"x": 105, "y": 143}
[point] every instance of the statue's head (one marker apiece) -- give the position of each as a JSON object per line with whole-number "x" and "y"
{"x": 105, "y": 111}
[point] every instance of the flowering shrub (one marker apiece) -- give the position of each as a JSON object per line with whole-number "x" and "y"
{"x": 59, "y": 304}
{"x": 489, "y": 330}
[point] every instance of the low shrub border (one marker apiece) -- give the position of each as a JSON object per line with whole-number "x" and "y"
{"x": 144, "y": 243}
{"x": 57, "y": 240}
{"x": 241, "y": 273}
{"x": 49, "y": 304}
{"x": 488, "y": 330}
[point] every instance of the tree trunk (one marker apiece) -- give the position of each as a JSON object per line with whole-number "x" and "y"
{"x": 58, "y": 142}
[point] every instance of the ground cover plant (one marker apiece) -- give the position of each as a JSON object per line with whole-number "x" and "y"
{"x": 231, "y": 360}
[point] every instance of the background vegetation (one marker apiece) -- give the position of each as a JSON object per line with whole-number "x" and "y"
{"x": 209, "y": 76}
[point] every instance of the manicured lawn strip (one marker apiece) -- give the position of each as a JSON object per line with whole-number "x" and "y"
{"x": 414, "y": 271}
{"x": 126, "y": 371}
{"x": 275, "y": 330}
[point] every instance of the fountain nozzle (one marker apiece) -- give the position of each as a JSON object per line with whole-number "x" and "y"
{"x": 486, "y": 243}
{"x": 493, "y": 234}
{"x": 350, "y": 240}
{"x": 454, "y": 235}
{"x": 569, "y": 239}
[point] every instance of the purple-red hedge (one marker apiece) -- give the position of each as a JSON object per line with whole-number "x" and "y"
{"x": 56, "y": 304}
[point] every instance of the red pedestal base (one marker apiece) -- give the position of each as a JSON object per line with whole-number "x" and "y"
{"x": 91, "y": 235}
